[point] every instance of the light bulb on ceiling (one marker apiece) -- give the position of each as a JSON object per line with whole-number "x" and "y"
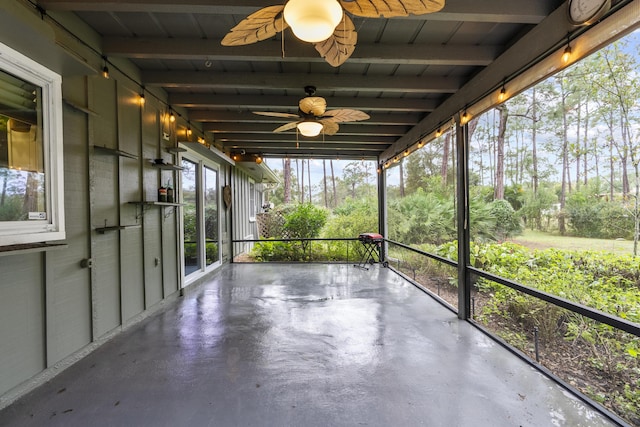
{"x": 105, "y": 69}
{"x": 172, "y": 117}
{"x": 310, "y": 128}
{"x": 464, "y": 118}
{"x": 502, "y": 95}
{"x": 141, "y": 99}
{"x": 566, "y": 55}
{"x": 313, "y": 20}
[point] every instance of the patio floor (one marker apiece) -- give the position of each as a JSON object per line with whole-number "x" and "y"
{"x": 302, "y": 345}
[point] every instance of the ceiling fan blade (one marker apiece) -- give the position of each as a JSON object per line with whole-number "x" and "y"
{"x": 276, "y": 114}
{"x": 286, "y": 127}
{"x": 345, "y": 115}
{"x": 329, "y": 127}
{"x": 313, "y": 105}
{"x": 339, "y": 47}
{"x": 260, "y": 25}
{"x": 391, "y": 8}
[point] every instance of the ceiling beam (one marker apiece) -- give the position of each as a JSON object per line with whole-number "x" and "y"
{"x": 252, "y": 147}
{"x": 238, "y": 138}
{"x": 344, "y": 82}
{"x": 248, "y": 117}
{"x": 345, "y": 129}
{"x": 263, "y": 102}
{"x": 519, "y": 11}
{"x": 212, "y": 50}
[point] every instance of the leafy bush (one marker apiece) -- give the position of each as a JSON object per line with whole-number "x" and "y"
{"x": 584, "y": 213}
{"x": 507, "y": 221}
{"x": 305, "y": 221}
{"x": 351, "y": 219}
{"x": 616, "y": 221}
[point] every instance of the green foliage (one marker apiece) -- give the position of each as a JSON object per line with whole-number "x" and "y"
{"x": 507, "y": 222}
{"x": 616, "y": 221}
{"x": 351, "y": 219}
{"x": 305, "y": 221}
{"x": 422, "y": 218}
{"x": 584, "y": 212}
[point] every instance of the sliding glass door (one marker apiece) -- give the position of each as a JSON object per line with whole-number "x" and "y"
{"x": 201, "y": 219}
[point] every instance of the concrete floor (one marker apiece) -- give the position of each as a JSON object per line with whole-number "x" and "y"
{"x": 301, "y": 345}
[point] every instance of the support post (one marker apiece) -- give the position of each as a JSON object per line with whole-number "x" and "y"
{"x": 464, "y": 282}
{"x": 382, "y": 209}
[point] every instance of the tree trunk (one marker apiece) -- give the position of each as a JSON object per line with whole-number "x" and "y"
{"x": 324, "y": 182}
{"x": 297, "y": 178}
{"x": 498, "y": 191}
{"x": 565, "y": 159}
{"x": 286, "y": 170}
{"x": 309, "y": 176}
{"x": 586, "y": 142}
{"x": 577, "y": 148}
{"x": 445, "y": 159}
{"x": 636, "y": 213}
{"x": 534, "y": 148}
{"x": 402, "y": 178}
{"x": 302, "y": 183}
{"x": 333, "y": 182}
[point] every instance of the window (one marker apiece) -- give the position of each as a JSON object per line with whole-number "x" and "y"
{"x": 252, "y": 200}
{"x": 31, "y": 169}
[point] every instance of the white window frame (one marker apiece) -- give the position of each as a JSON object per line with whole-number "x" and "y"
{"x": 53, "y": 227}
{"x": 252, "y": 198}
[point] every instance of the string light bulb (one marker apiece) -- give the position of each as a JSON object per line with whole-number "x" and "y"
{"x": 172, "y": 117}
{"x": 258, "y": 160}
{"x": 105, "y": 69}
{"x": 502, "y": 95}
{"x": 566, "y": 55}
{"x": 141, "y": 99}
{"x": 464, "y": 118}
{"x": 406, "y": 152}
{"x": 438, "y": 133}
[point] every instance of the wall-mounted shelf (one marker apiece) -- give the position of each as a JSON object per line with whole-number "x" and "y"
{"x": 151, "y": 203}
{"x": 174, "y": 150}
{"x": 166, "y": 166}
{"x": 26, "y": 248}
{"x": 113, "y": 152}
{"x": 146, "y": 205}
{"x": 80, "y": 107}
{"x": 103, "y": 230}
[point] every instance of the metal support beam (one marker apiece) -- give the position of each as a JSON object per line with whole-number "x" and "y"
{"x": 464, "y": 282}
{"x": 382, "y": 208}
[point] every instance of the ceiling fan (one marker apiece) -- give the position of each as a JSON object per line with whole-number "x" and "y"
{"x": 323, "y": 22}
{"x": 313, "y": 117}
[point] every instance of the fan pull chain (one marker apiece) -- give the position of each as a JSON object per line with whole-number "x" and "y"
{"x": 297, "y": 141}
{"x": 282, "y": 35}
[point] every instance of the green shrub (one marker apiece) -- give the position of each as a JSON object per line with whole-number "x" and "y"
{"x": 305, "y": 221}
{"x": 507, "y": 221}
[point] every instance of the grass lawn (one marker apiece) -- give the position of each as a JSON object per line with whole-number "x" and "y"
{"x": 541, "y": 240}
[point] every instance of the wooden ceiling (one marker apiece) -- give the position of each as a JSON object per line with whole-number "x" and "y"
{"x": 409, "y": 74}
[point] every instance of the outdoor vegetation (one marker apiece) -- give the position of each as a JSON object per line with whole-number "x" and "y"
{"x": 554, "y": 205}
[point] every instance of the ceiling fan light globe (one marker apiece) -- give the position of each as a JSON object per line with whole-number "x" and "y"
{"x": 310, "y": 128}
{"x": 313, "y": 21}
